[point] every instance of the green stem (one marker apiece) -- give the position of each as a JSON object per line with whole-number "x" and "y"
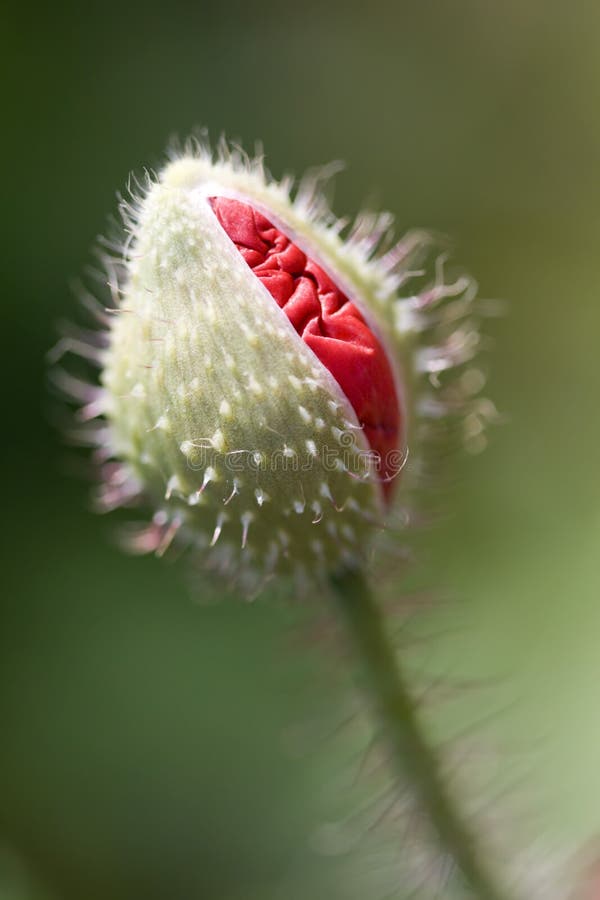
{"x": 412, "y": 752}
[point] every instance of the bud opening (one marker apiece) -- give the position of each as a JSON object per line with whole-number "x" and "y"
{"x": 328, "y": 322}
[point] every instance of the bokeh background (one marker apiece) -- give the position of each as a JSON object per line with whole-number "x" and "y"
{"x": 142, "y": 735}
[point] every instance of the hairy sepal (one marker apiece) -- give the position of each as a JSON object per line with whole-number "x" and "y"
{"x": 237, "y": 433}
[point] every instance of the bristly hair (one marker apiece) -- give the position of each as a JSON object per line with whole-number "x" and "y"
{"x": 433, "y": 323}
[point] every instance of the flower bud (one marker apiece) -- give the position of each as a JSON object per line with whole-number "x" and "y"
{"x": 258, "y": 376}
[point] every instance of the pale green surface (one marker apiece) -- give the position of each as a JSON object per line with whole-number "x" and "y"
{"x": 228, "y": 421}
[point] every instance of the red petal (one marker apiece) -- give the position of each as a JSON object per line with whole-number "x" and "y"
{"x": 328, "y": 322}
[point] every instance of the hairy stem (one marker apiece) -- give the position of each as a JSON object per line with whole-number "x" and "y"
{"x": 412, "y": 753}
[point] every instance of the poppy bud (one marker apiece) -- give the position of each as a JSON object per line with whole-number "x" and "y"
{"x": 258, "y": 375}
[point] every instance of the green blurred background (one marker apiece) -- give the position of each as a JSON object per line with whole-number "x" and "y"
{"x": 141, "y": 734}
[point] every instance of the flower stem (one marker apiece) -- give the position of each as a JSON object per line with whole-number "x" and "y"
{"x": 412, "y": 753}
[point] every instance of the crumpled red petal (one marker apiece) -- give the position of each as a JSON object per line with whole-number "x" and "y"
{"x": 328, "y": 322}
